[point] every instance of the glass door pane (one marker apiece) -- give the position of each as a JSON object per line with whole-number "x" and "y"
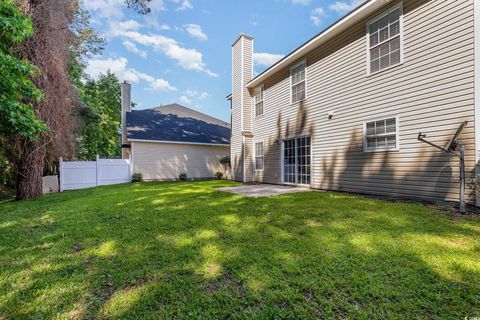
{"x": 303, "y": 160}
{"x": 289, "y": 167}
{"x": 297, "y": 161}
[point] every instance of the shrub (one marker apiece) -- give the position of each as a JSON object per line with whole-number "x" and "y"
{"x": 182, "y": 176}
{"x": 225, "y": 161}
{"x": 137, "y": 177}
{"x": 227, "y": 166}
{"x": 219, "y": 175}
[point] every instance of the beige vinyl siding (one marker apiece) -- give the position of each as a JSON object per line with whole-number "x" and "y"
{"x": 432, "y": 92}
{"x": 163, "y": 161}
{"x": 242, "y": 109}
{"x": 248, "y": 109}
{"x": 237, "y": 139}
{"x": 248, "y": 74}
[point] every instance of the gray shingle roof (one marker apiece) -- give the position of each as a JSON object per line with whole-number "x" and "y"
{"x": 176, "y": 123}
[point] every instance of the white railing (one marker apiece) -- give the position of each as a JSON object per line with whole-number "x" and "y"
{"x": 86, "y": 174}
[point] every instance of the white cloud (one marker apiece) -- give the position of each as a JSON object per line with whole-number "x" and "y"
{"x": 196, "y": 94}
{"x": 130, "y": 46}
{"x": 128, "y": 25}
{"x": 189, "y": 59}
{"x": 317, "y": 15}
{"x": 108, "y": 9}
{"x": 120, "y": 69}
{"x": 203, "y": 95}
{"x": 302, "y": 2}
{"x": 156, "y": 5}
{"x": 184, "y": 5}
{"x": 153, "y": 22}
{"x": 162, "y": 85}
{"x": 117, "y": 27}
{"x": 113, "y": 9}
{"x": 266, "y": 59}
{"x": 195, "y": 31}
{"x": 185, "y": 99}
{"x": 343, "y": 7}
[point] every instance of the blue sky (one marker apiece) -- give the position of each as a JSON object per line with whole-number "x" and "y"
{"x": 181, "y": 52}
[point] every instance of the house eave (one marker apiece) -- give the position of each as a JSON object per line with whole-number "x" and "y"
{"x": 341, "y": 25}
{"x": 180, "y": 142}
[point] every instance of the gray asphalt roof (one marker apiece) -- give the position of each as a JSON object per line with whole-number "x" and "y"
{"x": 176, "y": 123}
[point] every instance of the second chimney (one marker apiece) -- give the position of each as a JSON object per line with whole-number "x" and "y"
{"x": 126, "y": 102}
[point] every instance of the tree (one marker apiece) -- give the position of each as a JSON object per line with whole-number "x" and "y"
{"x": 227, "y": 165}
{"x": 141, "y": 6}
{"x": 17, "y": 91}
{"x": 100, "y": 118}
{"x": 60, "y": 41}
{"x": 18, "y": 119}
{"x": 48, "y": 49}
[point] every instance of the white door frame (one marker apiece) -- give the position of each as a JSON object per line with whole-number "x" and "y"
{"x": 282, "y": 161}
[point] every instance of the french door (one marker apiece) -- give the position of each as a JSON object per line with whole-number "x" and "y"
{"x": 297, "y": 161}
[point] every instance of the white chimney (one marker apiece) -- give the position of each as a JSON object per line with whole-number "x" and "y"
{"x": 126, "y": 102}
{"x": 242, "y": 142}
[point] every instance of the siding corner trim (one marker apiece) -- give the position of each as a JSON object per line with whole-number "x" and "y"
{"x": 476, "y": 31}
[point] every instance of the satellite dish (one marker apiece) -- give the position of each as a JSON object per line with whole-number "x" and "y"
{"x": 451, "y": 146}
{"x": 453, "y": 143}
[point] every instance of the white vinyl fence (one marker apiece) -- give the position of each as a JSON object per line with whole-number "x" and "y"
{"x": 85, "y": 174}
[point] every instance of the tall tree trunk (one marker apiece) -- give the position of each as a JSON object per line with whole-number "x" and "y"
{"x": 30, "y": 165}
{"x": 48, "y": 49}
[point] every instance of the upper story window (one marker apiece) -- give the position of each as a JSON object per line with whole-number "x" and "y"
{"x": 298, "y": 81}
{"x": 381, "y": 135}
{"x": 258, "y": 92}
{"x": 259, "y": 158}
{"x": 385, "y": 40}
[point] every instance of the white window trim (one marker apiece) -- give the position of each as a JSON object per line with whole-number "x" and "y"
{"x": 397, "y": 134}
{"x": 303, "y": 61}
{"x": 261, "y": 87}
{"x": 367, "y": 37}
{"x": 255, "y": 155}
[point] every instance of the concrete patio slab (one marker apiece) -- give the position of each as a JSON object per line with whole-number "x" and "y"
{"x": 263, "y": 190}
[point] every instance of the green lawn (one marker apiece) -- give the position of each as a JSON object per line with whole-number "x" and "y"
{"x": 185, "y": 250}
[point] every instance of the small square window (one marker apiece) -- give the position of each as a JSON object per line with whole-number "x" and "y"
{"x": 381, "y": 135}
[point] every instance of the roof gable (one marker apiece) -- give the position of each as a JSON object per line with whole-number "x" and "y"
{"x": 176, "y": 123}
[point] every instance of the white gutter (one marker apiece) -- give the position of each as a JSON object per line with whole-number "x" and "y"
{"x": 343, "y": 24}
{"x": 181, "y": 142}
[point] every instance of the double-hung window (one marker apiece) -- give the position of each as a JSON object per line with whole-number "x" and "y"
{"x": 259, "y": 158}
{"x": 258, "y": 101}
{"x": 298, "y": 81}
{"x": 381, "y": 135}
{"x": 385, "y": 40}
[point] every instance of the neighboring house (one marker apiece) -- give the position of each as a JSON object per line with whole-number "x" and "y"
{"x": 343, "y": 111}
{"x": 165, "y": 141}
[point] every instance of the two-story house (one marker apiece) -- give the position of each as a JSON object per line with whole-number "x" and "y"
{"x": 343, "y": 110}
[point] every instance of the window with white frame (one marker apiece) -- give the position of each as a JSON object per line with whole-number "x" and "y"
{"x": 385, "y": 40}
{"x": 298, "y": 81}
{"x": 381, "y": 135}
{"x": 258, "y": 101}
{"x": 259, "y": 159}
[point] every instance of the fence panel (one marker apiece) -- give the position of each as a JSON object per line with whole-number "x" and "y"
{"x": 86, "y": 174}
{"x": 113, "y": 171}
